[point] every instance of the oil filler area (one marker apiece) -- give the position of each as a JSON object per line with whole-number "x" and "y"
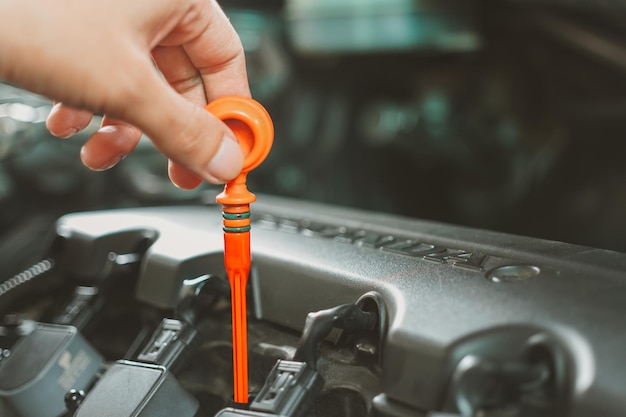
{"x": 438, "y": 229}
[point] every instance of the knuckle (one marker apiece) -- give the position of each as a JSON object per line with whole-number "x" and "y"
{"x": 188, "y": 84}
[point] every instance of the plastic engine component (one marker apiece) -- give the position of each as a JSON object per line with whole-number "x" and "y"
{"x": 132, "y": 389}
{"x": 42, "y": 368}
{"x": 290, "y": 390}
{"x": 169, "y": 345}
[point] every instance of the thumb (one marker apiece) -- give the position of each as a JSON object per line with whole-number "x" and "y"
{"x": 187, "y": 134}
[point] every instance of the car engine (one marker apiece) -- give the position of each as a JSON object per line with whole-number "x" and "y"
{"x": 430, "y": 159}
{"x": 352, "y": 313}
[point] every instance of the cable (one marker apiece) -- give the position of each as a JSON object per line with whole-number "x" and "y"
{"x": 319, "y": 324}
{"x": 37, "y": 270}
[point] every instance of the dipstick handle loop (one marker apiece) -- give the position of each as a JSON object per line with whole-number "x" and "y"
{"x": 253, "y": 128}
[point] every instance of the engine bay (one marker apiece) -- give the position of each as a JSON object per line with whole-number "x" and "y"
{"x": 488, "y": 120}
{"x": 351, "y": 313}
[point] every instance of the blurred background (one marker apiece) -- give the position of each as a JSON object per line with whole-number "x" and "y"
{"x": 502, "y": 115}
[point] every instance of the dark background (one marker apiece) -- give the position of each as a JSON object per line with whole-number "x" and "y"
{"x": 503, "y": 115}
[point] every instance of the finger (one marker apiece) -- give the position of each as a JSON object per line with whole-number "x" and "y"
{"x": 183, "y": 76}
{"x": 64, "y": 121}
{"x": 180, "y": 73}
{"x": 181, "y": 177}
{"x": 184, "y": 131}
{"x": 110, "y": 144}
{"x": 218, "y": 55}
{"x": 221, "y": 63}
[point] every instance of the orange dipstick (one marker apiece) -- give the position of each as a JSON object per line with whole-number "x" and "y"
{"x": 253, "y": 128}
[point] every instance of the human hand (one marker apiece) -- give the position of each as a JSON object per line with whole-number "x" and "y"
{"x": 94, "y": 57}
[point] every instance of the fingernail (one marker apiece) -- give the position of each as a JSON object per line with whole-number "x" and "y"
{"x": 108, "y": 129}
{"x": 101, "y": 166}
{"x": 69, "y": 131}
{"x": 112, "y": 162}
{"x": 227, "y": 162}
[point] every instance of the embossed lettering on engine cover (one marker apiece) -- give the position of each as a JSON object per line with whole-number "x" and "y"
{"x": 385, "y": 242}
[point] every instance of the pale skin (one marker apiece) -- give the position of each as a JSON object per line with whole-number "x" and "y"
{"x": 100, "y": 56}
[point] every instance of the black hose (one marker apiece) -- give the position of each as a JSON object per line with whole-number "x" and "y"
{"x": 319, "y": 324}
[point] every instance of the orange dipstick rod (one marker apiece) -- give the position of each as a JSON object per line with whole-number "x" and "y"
{"x": 253, "y": 128}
